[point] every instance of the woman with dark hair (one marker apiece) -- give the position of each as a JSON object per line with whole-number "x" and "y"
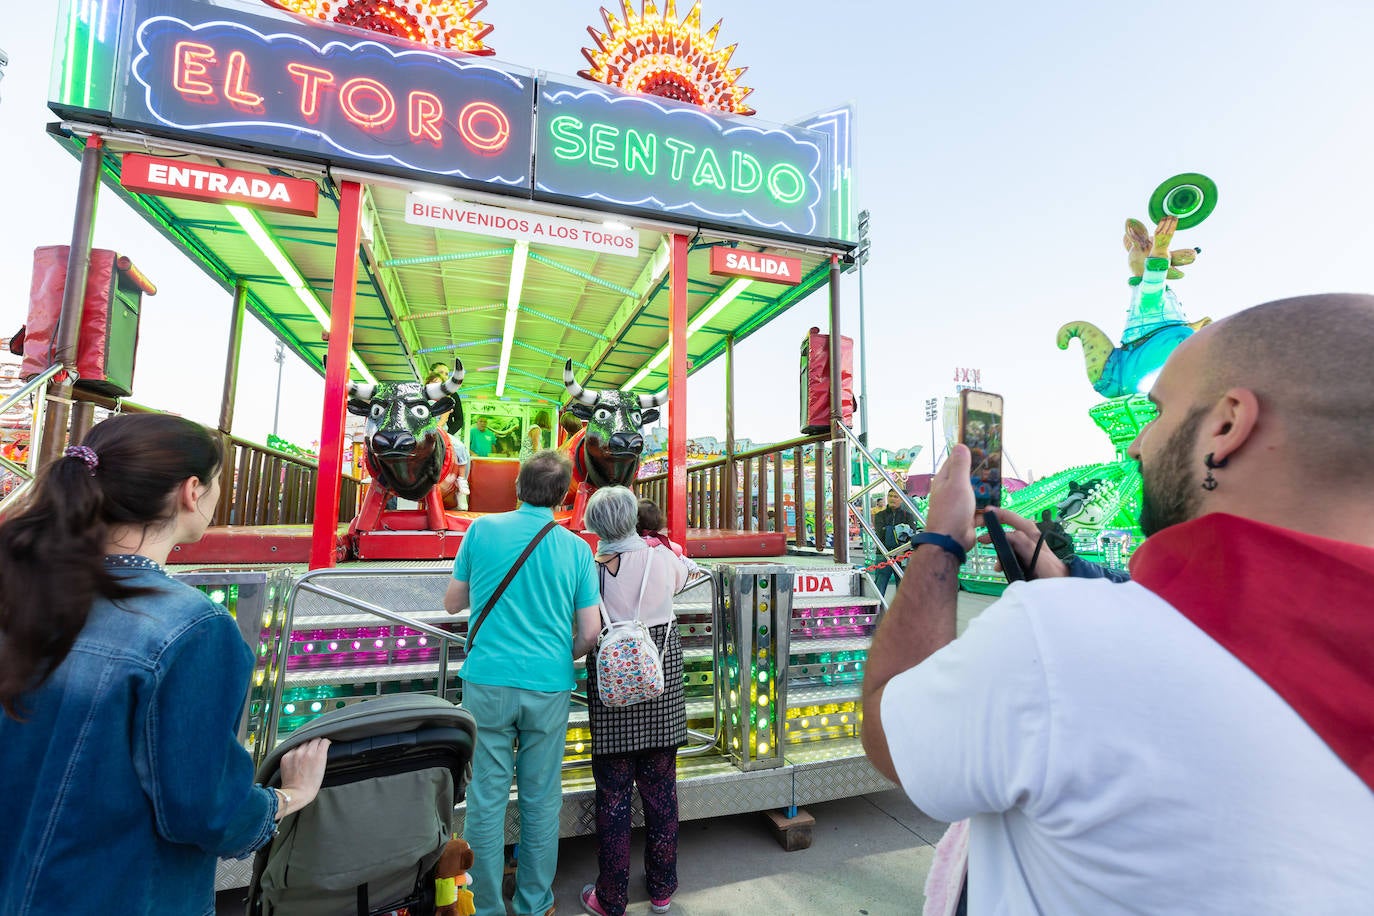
{"x": 122, "y": 688}
{"x": 635, "y": 745}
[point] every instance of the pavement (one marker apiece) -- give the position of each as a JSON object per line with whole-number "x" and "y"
{"x": 868, "y": 857}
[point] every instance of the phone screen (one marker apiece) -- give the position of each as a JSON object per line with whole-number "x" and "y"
{"x": 980, "y": 428}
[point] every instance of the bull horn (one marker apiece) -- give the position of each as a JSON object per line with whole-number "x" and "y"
{"x": 653, "y": 400}
{"x": 361, "y": 392}
{"x": 1097, "y": 346}
{"x": 436, "y": 390}
{"x": 577, "y": 392}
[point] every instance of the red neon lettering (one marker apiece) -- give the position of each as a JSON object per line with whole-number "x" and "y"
{"x": 236, "y": 84}
{"x": 426, "y": 111}
{"x": 384, "y": 101}
{"x": 189, "y": 64}
{"x": 484, "y": 128}
{"x": 311, "y": 79}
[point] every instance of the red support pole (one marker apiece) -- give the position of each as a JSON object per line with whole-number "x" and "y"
{"x": 677, "y": 392}
{"x": 326, "y": 528}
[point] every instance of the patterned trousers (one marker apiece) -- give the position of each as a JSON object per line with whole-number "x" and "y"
{"x": 656, "y": 774}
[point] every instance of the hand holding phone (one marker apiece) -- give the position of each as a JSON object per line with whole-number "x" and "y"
{"x": 1011, "y": 564}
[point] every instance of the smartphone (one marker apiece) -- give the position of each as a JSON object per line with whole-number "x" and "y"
{"x": 980, "y": 428}
{"x": 1011, "y": 563}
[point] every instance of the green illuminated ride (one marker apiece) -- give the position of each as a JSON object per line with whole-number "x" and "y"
{"x": 1098, "y": 505}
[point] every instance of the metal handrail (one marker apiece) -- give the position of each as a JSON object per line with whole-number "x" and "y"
{"x": 862, "y": 495}
{"x": 29, "y": 472}
{"x": 888, "y": 478}
{"x": 30, "y": 386}
{"x": 307, "y": 583}
{"x": 706, "y": 743}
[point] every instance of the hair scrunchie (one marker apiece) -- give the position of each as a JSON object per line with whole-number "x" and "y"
{"x": 85, "y": 453}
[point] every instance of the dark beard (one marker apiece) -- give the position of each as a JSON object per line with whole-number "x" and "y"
{"x": 1171, "y": 494}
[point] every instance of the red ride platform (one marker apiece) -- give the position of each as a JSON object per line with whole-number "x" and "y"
{"x": 290, "y": 544}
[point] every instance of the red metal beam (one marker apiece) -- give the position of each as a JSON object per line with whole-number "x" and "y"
{"x": 677, "y": 392}
{"x": 326, "y": 522}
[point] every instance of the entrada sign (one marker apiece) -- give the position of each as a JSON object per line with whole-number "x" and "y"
{"x": 734, "y": 262}
{"x": 190, "y": 181}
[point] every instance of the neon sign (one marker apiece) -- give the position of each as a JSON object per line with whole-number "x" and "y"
{"x": 637, "y": 151}
{"x": 276, "y": 84}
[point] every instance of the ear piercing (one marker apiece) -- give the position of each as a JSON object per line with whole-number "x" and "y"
{"x": 1209, "y": 482}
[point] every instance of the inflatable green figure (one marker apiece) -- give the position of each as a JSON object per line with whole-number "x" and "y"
{"x": 1155, "y": 323}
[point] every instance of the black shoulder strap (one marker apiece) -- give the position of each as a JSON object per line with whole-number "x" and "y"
{"x": 500, "y": 589}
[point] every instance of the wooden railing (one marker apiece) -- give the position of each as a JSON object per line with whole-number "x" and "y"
{"x": 718, "y": 489}
{"x": 262, "y": 486}
{"x": 258, "y": 485}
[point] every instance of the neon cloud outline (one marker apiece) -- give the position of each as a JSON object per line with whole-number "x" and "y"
{"x": 145, "y": 53}
{"x": 557, "y": 94}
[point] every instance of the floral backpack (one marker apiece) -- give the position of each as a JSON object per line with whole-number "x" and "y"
{"x": 629, "y": 667}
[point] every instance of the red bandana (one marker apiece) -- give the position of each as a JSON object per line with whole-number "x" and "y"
{"x": 1296, "y": 609}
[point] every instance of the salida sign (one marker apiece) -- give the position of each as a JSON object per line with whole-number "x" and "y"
{"x": 821, "y": 584}
{"x": 189, "y": 181}
{"x": 275, "y": 84}
{"x": 733, "y": 262}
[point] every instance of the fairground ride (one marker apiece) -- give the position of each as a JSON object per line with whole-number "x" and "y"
{"x": 382, "y": 201}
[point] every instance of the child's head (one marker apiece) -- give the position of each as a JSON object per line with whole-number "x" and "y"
{"x": 650, "y": 516}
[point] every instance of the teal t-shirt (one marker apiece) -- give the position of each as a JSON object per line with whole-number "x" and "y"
{"x": 480, "y": 441}
{"x": 527, "y": 639}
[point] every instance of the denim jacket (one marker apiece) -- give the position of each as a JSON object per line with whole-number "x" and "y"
{"x": 126, "y": 781}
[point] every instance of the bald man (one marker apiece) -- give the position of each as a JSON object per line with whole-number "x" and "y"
{"x": 1198, "y": 740}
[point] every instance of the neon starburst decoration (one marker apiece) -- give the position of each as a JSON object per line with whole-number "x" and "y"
{"x": 653, "y": 53}
{"x": 445, "y": 24}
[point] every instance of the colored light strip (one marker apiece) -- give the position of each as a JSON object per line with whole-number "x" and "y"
{"x": 724, "y": 298}
{"x": 517, "y": 282}
{"x": 272, "y": 251}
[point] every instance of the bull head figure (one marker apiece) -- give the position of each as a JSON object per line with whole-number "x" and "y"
{"x": 610, "y": 449}
{"x": 406, "y": 450}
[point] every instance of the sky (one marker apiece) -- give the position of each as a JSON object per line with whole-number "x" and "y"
{"x": 1000, "y": 148}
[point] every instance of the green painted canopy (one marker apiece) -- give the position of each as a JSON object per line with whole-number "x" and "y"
{"x": 428, "y": 295}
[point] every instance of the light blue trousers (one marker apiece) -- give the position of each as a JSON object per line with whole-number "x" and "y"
{"x": 538, "y": 722}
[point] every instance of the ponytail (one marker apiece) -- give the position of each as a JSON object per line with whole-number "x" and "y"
{"x": 52, "y": 565}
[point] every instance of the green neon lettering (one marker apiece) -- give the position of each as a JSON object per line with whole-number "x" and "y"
{"x": 569, "y": 130}
{"x": 641, "y": 152}
{"x": 603, "y": 143}
{"x": 746, "y": 175}
{"x": 709, "y": 171}
{"x": 681, "y": 149}
{"x": 787, "y": 172}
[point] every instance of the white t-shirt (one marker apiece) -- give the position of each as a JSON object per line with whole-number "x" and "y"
{"x": 620, "y": 591}
{"x": 1115, "y": 759}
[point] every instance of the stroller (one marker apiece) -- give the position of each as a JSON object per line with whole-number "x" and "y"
{"x": 370, "y": 841}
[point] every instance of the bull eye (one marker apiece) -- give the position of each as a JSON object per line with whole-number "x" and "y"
{"x": 377, "y": 412}
{"x": 603, "y": 415}
{"x": 420, "y": 412}
{"x": 635, "y": 418}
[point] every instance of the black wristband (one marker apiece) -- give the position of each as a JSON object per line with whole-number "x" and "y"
{"x": 943, "y": 541}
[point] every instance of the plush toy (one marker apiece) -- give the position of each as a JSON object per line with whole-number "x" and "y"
{"x": 451, "y": 878}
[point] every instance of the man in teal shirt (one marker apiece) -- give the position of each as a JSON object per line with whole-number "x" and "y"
{"x": 481, "y": 438}
{"x": 518, "y": 677}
